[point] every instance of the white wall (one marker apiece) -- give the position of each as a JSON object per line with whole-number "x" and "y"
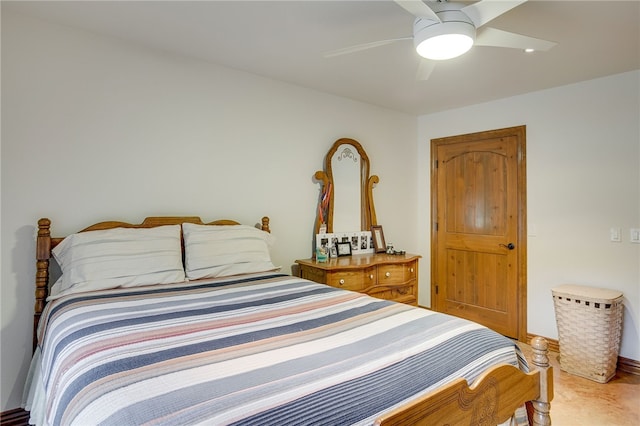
{"x": 94, "y": 129}
{"x": 583, "y": 162}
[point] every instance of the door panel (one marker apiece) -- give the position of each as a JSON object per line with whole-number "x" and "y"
{"x": 475, "y": 190}
{"x": 478, "y": 211}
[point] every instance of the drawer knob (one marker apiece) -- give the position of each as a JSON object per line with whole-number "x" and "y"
{"x": 342, "y": 281}
{"x": 371, "y": 276}
{"x": 411, "y": 270}
{"x": 388, "y": 274}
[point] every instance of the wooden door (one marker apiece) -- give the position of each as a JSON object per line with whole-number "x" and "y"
{"x": 479, "y": 228}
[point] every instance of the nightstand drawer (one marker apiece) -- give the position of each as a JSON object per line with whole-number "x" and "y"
{"x": 396, "y": 274}
{"x": 356, "y": 280}
{"x": 313, "y": 274}
{"x": 391, "y": 274}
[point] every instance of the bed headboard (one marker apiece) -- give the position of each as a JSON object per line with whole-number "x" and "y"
{"x": 45, "y": 243}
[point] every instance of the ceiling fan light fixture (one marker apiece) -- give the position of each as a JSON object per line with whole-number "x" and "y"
{"x": 446, "y": 40}
{"x": 446, "y": 46}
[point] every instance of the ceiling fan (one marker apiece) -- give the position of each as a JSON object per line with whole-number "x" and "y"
{"x": 445, "y": 30}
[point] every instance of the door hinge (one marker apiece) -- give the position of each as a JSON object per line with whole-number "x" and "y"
{"x": 436, "y": 226}
{"x": 436, "y": 288}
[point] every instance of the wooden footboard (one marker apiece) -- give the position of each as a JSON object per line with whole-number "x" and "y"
{"x": 491, "y": 400}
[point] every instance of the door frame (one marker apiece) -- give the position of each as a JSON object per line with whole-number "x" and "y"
{"x": 520, "y": 133}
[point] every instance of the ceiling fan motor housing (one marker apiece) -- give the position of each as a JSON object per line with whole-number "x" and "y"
{"x": 453, "y": 23}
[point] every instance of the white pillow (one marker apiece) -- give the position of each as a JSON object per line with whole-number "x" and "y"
{"x": 119, "y": 257}
{"x": 222, "y": 250}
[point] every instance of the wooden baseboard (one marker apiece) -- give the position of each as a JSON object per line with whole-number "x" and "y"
{"x": 630, "y": 366}
{"x": 15, "y": 417}
{"x": 625, "y": 365}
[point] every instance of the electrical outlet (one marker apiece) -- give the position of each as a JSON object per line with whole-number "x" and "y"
{"x": 634, "y": 236}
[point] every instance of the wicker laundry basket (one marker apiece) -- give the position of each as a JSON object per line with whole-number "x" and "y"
{"x": 589, "y": 329}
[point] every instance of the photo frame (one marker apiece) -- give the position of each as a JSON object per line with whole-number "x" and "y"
{"x": 377, "y": 235}
{"x": 355, "y": 242}
{"x": 322, "y": 242}
{"x": 361, "y": 242}
{"x": 364, "y": 244}
{"x": 343, "y": 248}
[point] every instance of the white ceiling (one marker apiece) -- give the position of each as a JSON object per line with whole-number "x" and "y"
{"x": 286, "y": 40}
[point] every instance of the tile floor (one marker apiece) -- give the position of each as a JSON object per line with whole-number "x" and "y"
{"x": 583, "y": 402}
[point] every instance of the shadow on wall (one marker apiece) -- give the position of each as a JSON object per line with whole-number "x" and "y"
{"x": 17, "y": 326}
{"x": 629, "y": 318}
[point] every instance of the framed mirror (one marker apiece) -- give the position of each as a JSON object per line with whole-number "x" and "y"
{"x": 346, "y": 196}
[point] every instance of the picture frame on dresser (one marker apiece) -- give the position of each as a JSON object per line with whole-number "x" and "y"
{"x": 377, "y": 234}
{"x": 343, "y": 248}
{"x": 361, "y": 242}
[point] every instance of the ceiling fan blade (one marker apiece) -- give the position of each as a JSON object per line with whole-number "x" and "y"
{"x": 364, "y": 46}
{"x": 418, "y": 9}
{"x": 425, "y": 68}
{"x": 487, "y": 10}
{"x": 497, "y": 38}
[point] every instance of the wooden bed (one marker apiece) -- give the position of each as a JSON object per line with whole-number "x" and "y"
{"x": 491, "y": 399}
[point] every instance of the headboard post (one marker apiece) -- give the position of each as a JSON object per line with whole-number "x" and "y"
{"x": 43, "y": 253}
{"x": 265, "y": 224}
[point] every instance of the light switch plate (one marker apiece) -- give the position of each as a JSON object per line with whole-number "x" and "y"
{"x": 634, "y": 235}
{"x": 615, "y": 234}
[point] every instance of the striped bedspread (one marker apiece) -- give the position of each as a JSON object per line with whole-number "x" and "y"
{"x": 264, "y": 349}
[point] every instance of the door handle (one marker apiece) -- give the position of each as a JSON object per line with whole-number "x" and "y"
{"x": 509, "y": 246}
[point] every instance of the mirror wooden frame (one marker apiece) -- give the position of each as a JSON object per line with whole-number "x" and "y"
{"x": 326, "y": 207}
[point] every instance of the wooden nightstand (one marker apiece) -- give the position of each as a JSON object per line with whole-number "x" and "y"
{"x": 386, "y": 276}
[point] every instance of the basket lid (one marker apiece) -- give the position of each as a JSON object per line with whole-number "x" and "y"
{"x": 588, "y": 292}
